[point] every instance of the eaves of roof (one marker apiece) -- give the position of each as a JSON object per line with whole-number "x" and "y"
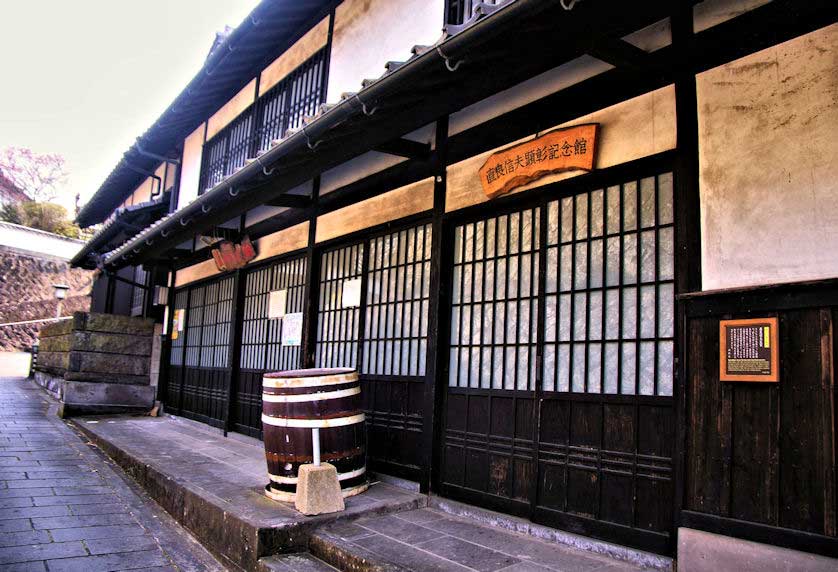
{"x": 269, "y": 29}
{"x": 128, "y": 220}
{"x": 502, "y": 47}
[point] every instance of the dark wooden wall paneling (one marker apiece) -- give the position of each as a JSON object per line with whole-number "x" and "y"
{"x": 764, "y": 453}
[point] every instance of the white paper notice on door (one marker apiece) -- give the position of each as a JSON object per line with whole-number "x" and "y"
{"x": 178, "y": 321}
{"x": 277, "y": 300}
{"x": 351, "y": 295}
{"x": 292, "y": 329}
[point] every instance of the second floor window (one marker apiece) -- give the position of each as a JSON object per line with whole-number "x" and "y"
{"x": 281, "y": 108}
{"x": 138, "y": 294}
{"x": 298, "y": 95}
{"x": 458, "y": 12}
{"x": 227, "y": 151}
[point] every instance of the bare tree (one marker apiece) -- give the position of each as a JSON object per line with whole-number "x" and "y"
{"x": 39, "y": 176}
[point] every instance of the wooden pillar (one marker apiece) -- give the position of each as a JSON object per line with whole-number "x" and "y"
{"x": 166, "y": 342}
{"x": 687, "y": 226}
{"x": 110, "y": 292}
{"x": 185, "y": 342}
{"x": 234, "y": 347}
{"x": 312, "y": 283}
{"x": 437, "y": 311}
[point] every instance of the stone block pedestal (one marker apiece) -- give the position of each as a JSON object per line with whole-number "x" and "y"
{"x": 318, "y": 490}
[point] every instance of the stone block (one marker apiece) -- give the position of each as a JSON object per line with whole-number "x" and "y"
{"x": 106, "y": 377}
{"x": 105, "y": 342}
{"x": 80, "y": 398}
{"x": 700, "y": 551}
{"x": 118, "y": 324}
{"x": 51, "y": 383}
{"x": 318, "y": 490}
{"x": 112, "y": 364}
{"x": 53, "y": 360}
{"x": 62, "y": 343}
{"x": 58, "y": 328}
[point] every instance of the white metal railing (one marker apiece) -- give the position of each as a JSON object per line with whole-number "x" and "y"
{"x": 62, "y": 318}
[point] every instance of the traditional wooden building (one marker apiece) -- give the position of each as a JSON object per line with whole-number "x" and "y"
{"x": 555, "y": 351}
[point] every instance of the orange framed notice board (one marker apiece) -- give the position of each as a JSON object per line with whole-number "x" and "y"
{"x": 749, "y": 350}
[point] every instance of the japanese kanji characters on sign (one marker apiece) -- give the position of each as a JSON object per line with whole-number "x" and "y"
{"x": 560, "y": 150}
{"x": 749, "y": 349}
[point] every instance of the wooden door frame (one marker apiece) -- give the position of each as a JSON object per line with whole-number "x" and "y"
{"x": 634, "y": 170}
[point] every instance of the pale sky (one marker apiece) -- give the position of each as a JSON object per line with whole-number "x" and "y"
{"x": 84, "y": 78}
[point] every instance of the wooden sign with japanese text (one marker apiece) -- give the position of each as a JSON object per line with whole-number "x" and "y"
{"x": 749, "y": 350}
{"x": 568, "y": 149}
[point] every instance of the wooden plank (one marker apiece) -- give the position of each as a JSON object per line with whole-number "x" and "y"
{"x": 194, "y": 273}
{"x": 293, "y": 57}
{"x": 707, "y": 479}
{"x": 621, "y": 54}
{"x": 639, "y": 127}
{"x": 397, "y": 204}
{"x": 802, "y": 485}
{"x": 801, "y": 451}
{"x": 754, "y": 469}
{"x": 282, "y": 242}
{"x": 405, "y": 148}
{"x": 829, "y": 350}
{"x": 231, "y": 110}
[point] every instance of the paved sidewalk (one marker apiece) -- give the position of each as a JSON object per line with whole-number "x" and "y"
{"x": 191, "y": 469}
{"x": 429, "y": 540}
{"x": 65, "y": 507}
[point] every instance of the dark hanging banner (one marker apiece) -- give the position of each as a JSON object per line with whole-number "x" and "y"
{"x": 231, "y": 256}
{"x": 749, "y": 350}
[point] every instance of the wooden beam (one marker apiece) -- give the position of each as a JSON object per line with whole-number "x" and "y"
{"x": 405, "y": 148}
{"x": 291, "y": 201}
{"x": 621, "y": 54}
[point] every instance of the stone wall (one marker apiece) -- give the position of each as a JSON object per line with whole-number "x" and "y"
{"x": 97, "y": 363}
{"x": 26, "y": 293}
{"x": 98, "y": 347}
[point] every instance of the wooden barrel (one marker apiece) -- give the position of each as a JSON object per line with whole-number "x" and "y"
{"x": 294, "y": 402}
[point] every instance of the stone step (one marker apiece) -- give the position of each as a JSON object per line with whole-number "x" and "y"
{"x": 334, "y": 545}
{"x": 214, "y": 486}
{"x": 433, "y": 539}
{"x": 300, "y": 562}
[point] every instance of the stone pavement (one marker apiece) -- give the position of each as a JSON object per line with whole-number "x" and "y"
{"x": 430, "y": 540}
{"x": 65, "y": 507}
{"x": 215, "y": 485}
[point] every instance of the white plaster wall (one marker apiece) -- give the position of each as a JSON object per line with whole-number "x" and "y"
{"x": 658, "y": 35}
{"x": 232, "y": 109}
{"x": 714, "y": 12}
{"x": 538, "y": 87}
{"x": 355, "y": 169}
{"x": 769, "y": 164}
{"x": 190, "y": 169}
{"x": 369, "y": 33}
{"x": 38, "y": 241}
{"x": 260, "y": 213}
{"x": 294, "y": 56}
